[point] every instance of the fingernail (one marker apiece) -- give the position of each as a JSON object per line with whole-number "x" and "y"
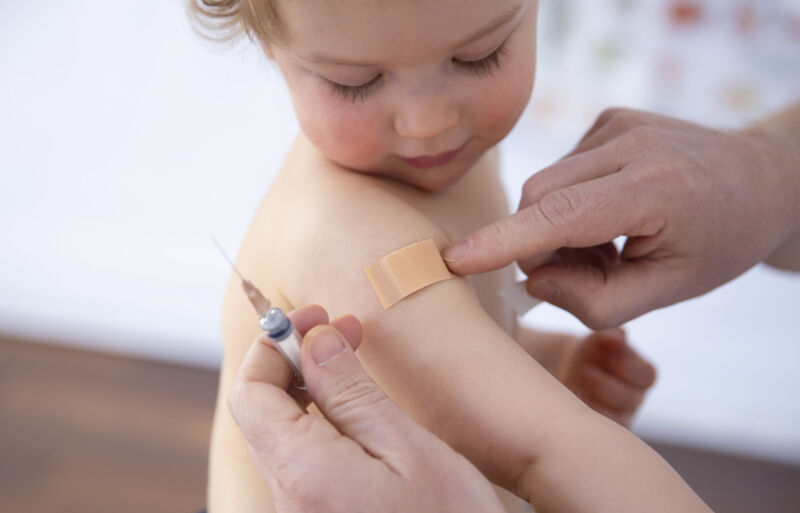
{"x": 325, "y": 345}
{"x": 457, "y": 252}
{"x": 543, "y": 288}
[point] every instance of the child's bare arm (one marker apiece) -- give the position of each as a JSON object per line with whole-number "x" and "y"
{"x": 234, "y": 483}
{"x": 446, "y": 363}
{"x": 601, "y": 369}
{"x": 548, "y": 348}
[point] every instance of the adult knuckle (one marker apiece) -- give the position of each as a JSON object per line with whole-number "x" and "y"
{"x": 643, "y": 134}
{"x": 608, "y": 114}
{"x": 682, "y": 174}
{"x": 528, "y": 193}
{"x": 501, "y": 236}
{"x": 625, "y": 119}
{"x": 559, "y": 208}
{"x": 301, "y": 427}
{"x": 595, "y": 314}
{"x": 355, "y": 393}
{"x": 530, "y": 190}
{"x": 292, "y": 481}
{"x": 638, "y": 141}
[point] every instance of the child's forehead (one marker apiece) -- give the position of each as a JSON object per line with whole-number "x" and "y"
{"x": 368, "y": 28}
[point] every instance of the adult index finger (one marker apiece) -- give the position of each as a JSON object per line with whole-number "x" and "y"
{"x": 577, "y": 216}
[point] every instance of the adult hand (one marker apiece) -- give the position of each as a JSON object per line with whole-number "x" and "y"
{"x": 698, "y": 207}
{"x": 366, "y": 455}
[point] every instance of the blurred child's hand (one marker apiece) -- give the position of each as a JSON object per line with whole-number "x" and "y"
{"x": 607, "y": 374}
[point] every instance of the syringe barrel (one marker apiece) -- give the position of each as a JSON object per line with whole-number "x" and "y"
{"x": 283, "y": 336}
{"x": 290, "y": 348}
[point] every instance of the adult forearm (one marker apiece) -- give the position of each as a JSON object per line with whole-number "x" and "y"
{"x": 780, "y": 134}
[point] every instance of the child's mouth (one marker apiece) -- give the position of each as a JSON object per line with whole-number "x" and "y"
{"x": 440, "y": 159}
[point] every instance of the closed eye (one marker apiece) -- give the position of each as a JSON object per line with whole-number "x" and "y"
{"x": 482, "y": 67}
{"x": 359, "y": 92}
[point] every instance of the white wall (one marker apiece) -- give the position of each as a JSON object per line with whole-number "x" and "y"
{"x": 125, "y": 142}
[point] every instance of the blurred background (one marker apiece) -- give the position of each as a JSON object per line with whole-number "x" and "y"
{"x": 125, "y": 141}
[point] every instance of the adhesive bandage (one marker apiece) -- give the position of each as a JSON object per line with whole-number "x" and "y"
{"x": 407, "y": 270}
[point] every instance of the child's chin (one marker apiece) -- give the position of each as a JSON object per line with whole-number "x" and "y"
{"x": 436, "y": 180}
{"x": 431, "y": 180}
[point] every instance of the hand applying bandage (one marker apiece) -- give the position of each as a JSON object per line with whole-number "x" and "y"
{"x": 366, "y": 455}
{"x": 698, "y": 207}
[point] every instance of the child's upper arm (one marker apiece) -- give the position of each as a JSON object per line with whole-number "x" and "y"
{"x": 437, "y": 353}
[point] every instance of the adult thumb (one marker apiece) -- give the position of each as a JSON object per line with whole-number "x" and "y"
{"x": 350, "y": 399}
{"x": 603, "y": 298}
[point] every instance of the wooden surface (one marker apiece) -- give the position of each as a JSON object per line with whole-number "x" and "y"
{"x": 82, "y": 432}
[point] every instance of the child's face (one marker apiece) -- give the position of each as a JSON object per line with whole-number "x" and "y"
{"x": 416, "y": 90}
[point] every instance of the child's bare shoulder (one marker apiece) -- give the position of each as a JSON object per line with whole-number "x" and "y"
{"x": 320, "y": 225}
{"x": 344, "y": 222}
{"x": 333, "y": 223}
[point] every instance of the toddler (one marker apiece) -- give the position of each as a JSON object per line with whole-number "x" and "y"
{"x": 401, "y": 105}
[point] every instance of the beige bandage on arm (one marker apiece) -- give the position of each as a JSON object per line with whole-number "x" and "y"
{"x": 407, "y": 270}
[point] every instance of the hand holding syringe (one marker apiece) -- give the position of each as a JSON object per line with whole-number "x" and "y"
{"x": 274, "y": 321}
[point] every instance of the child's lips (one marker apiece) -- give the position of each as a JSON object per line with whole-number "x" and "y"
{"x": 440, "y": 159}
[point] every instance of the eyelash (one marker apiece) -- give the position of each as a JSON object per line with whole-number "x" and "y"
{"x": 482, "y": 68}
{"x": 358, "y": 92}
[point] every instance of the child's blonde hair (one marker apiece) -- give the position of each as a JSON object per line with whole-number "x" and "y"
{"x": 224, "y": 20}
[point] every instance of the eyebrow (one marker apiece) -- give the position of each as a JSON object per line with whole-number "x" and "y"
{"x": 321, "y": 58}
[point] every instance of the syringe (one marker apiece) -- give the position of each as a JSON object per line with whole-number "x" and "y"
{"x": 274, "y": 321}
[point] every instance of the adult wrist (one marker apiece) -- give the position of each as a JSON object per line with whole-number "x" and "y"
{"x": 778, "y": 145}
{"x": 781, "y": 131}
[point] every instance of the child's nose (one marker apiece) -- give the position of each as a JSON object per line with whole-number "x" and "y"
{"x": 426, "y": 118}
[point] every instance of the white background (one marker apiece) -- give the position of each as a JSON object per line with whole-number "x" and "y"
{"x": 125, "y": 141}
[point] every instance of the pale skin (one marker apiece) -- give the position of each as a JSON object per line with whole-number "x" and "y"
{"x": 699, "y": 207}
{"x": 365, "y": 455}
{"x": 345, "y": 197}
{"x": 483, "y": 394}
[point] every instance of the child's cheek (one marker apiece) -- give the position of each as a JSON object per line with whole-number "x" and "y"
{"x": 507, "y": 100}
{"x": 502, "y": 113}
{"x": 347, "y": 134}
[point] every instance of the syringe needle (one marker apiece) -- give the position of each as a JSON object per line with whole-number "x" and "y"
{"x": 256, "y": 298}
{"x": 225, "y": 255}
